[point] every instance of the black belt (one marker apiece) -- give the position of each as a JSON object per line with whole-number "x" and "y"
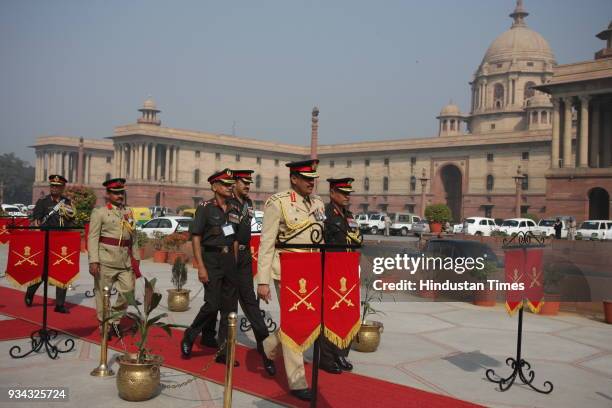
{"x": 217, "y": 249}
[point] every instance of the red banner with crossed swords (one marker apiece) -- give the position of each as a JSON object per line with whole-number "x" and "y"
{"x": 534, "y": 288}
{"x": 342, "y": 300}
{"x": 26, "y": 256}
{"x": 64, "y": 253}
{"x": 5, "y": 222}
{"x": 300, "y": 299}
{"x": 515, "y": 271}
{"x": 255, "y": 239}
{"x": 524, "y": 266}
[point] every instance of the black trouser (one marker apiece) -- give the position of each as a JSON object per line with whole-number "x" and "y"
{"x": 219, "y": 295}
{"x": 60, "y": 293}
{"x": 330, "y": 352}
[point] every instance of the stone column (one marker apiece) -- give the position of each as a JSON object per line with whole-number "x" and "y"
{"x": 115, "y": 160}
{"x": 554, "y": 154}
{"x": 484, "y": 91}
{"x": 167, "y": 166}
{"x": 171, "y": 164}
{"x": 145, "y": 160}
{"x": 157, "y": 162}
{"x": 138, "y": 162}
{"x": 176, "y": 164}
{"x": 583, "y": 160}
{"x": 567, "y": 133}
{"x": 606, "y": 133}
{"x": 124, "y": 162}
{"x": 594, "y": 135}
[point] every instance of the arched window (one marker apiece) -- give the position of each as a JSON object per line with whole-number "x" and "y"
{"x": 544, "y": 117}
{"x": 525, "y": 182}
{"x": 534, "y": 117}
{"x": 196, "y": 176}
{"x": 498, "y": 95}
{"x": 444, "y": 125}
{"x": 258, "y": 181}
{"x": 107, "y": 177}
{"x": 366, "y": 184}
{"x": 413, "y": 183}
{"x": 490, "y": 181}
{"x": 385, "y": 183}
{"x": 529, "y": 91}
{"x": 275, "y": 183}
{"x": 477, "y": 98}
{"x": 452, "y": 124}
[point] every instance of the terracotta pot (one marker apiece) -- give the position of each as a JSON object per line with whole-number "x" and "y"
{"x": 435, "y": 227}
{"x": 160, "y": 256}
{"x": 368, "y": 336}
{"x": 551, "y": 304}
{"x": 142, "y": 253}
{"x": 173, "y": 256}
{"x": 484, "y": 298}
{"x": 607, "y": 305}
{"x": 138, "y": 382}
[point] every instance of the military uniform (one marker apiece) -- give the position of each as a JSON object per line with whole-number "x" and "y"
{"x": 285, "y": 214}
{"x": 112, "y": 243}
{"x": 62, "y": 217}
{"x": 340, "y": 228}
{"x": 217, "y": 229}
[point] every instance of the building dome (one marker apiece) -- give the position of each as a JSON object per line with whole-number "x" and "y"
{"x": 450, "y": 110}
{"x": 149, "y": 104}
{"x": 539, "y": 100}
{"x": 520, "y": 42}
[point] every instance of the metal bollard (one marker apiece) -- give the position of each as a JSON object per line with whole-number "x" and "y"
{"x": 103, "y": 370}
{"x": 229, "y": 359}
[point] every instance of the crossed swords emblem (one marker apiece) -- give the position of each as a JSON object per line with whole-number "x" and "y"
{"x": 302, "y": 296}
{"x": 63, "y": 257}
{"x": 343, "y": 294}
{"x": 3, "y": 230}
{"x": 26, "y": 257}
{"x": 517, "y": 278}
{"x": 535, "y": 276}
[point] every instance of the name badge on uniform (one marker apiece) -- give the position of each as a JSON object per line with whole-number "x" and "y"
{"x": 319, "y": 215}
{"x": 228, "y": 229}
{"x": 352, "y": 223}
{"x": 232, "y": 217}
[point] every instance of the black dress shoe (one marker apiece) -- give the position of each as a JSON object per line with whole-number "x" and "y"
{"x": 28, "y": 299}
{"x": 344, "y": 364}
{"x": 221, "y": 359}
{"x": 61, "y": 309}
{"x": 186, "y": 346}
{"x": 332, "y": 368}
{"x": 269, "y": 366}
{"x": 209, "y": 342}
{"x": 304, "y": 394}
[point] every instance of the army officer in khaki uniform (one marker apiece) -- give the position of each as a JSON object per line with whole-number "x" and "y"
{"x": 112, "y": 244}
{"x": 285, "y": 214}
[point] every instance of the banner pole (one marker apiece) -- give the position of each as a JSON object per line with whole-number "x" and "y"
{"x": 317, "y": 346}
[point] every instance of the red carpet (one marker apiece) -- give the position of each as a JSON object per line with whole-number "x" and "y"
{"x": 16, "y": 329}
{"x": 345, "y": 390}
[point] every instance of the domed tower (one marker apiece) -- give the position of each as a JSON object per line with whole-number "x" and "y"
{"x": 149, "y": 113}
{"x": 516, "y": 61}
{"x": 538, "y": 111}
{"x": 450, "y": 120}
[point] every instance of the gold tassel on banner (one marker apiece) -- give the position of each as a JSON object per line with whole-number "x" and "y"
{"x": 103, "y": 370}
{"x": 229, "y": 359}
{"x": 342, "y": 342}
{"x": 288, "y": 341}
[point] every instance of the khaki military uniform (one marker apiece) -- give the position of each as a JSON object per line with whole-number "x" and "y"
{"x": 115, "y": 260}
{"x": 285, "y": 214}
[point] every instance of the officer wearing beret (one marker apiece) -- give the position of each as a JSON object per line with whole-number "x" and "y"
{"x": 112, "y": 249}
{"x": 340, "y": 228}
{"x": 286, "y": 213}
{"x": 53, "y": 210}
{"x": 213, "y": 233}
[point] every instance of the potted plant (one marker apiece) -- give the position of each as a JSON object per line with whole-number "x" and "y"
{"x": 173, "y": 243}
{"x": 178, "y": 298}
{"x": 437, "y": 214}
{"x": 368, "y": 336}
{"x": 160, "y": 254}
{"x": 484, "y": 297}
{"x": 138, "y": 374}
{"x": 141, "y": 240}
{"x": 607, "y": 306}
{"x": 553, "y": 275}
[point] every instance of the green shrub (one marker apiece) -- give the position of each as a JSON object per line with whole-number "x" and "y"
{"x": 438, "y": 213}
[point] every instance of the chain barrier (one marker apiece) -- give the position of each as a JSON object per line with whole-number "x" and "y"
{"x": 193, "y": 377}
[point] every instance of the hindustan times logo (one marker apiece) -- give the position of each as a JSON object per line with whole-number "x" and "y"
{"x": 412, "y": 264}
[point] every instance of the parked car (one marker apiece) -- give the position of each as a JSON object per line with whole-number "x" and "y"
{"x": 13, "y": 211}
{"x": 401, "y": 223}
{"x": 421, "y": 227}
{"x": 516, "y": 225}
{"x": 166, "y": 225}
{"x": 157, "y": 211}
{"x": 375, "y": 224}
{"x": 479, "y": 226}
{"x": 23, "y": 208}
{"x": 257, "y": 221}
{"x": 595, "y": 229}
{"x": 546, "y": 227}
{"x": 361, "y": 219}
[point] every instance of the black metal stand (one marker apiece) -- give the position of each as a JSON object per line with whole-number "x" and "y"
{"x": 245, "y": 325}
{"x": 517, "y": 365}
{"x": 91, "y": 293}
{"x": 520, "y": 241}
{"x": 43, "y": 336}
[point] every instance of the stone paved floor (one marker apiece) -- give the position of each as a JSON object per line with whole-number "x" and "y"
{"x": 439, "y": 347}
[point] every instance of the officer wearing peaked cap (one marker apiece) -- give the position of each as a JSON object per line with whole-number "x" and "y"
{"x": 62, "y": 216}
{"x": 285, "y": 213}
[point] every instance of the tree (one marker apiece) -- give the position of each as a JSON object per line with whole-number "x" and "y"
{"x": 17, "y": 176}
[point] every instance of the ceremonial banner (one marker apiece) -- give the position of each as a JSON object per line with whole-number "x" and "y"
{"x": 300, "y": 299}
{"x": 5, "y": 222}
{"x": 534, "y": 279}
{"x": 64, "y": 253}
{"x": 255, "y": 239}
{"x": 341, "y": 315}
{"x": 26, "y": 256}
{"x": 515, "y": 271}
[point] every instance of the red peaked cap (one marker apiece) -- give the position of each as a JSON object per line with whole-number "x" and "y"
{"x": 244, "y": 175}
{"x": 116, "y": 184}
{"x": 57, "y": 180}
{"x": 341, "y": 184}
{"x": 306, "y": 168}
{"x": 224, "y": 176}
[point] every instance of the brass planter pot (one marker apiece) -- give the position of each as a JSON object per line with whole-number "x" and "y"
{"x": 178, "y": 300}
{"x": 138, "y": 382}
{"x": 368, "y": 337}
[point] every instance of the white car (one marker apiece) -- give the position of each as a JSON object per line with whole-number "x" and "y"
{"x": 479, "y": 226}
{"x": 421, "y": 227}
{"x": 401, "y": 223}
{"x": 595, "y": 229}
{"x": 166, "y": 225}
{"x": 546, "y": 228}
{"x": 257, "y": 221}
{"x": 13, "y": 211}
{"x": 516, "y": 225}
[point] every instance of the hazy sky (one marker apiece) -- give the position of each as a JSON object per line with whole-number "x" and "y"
{"x": 376, "y": 69}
